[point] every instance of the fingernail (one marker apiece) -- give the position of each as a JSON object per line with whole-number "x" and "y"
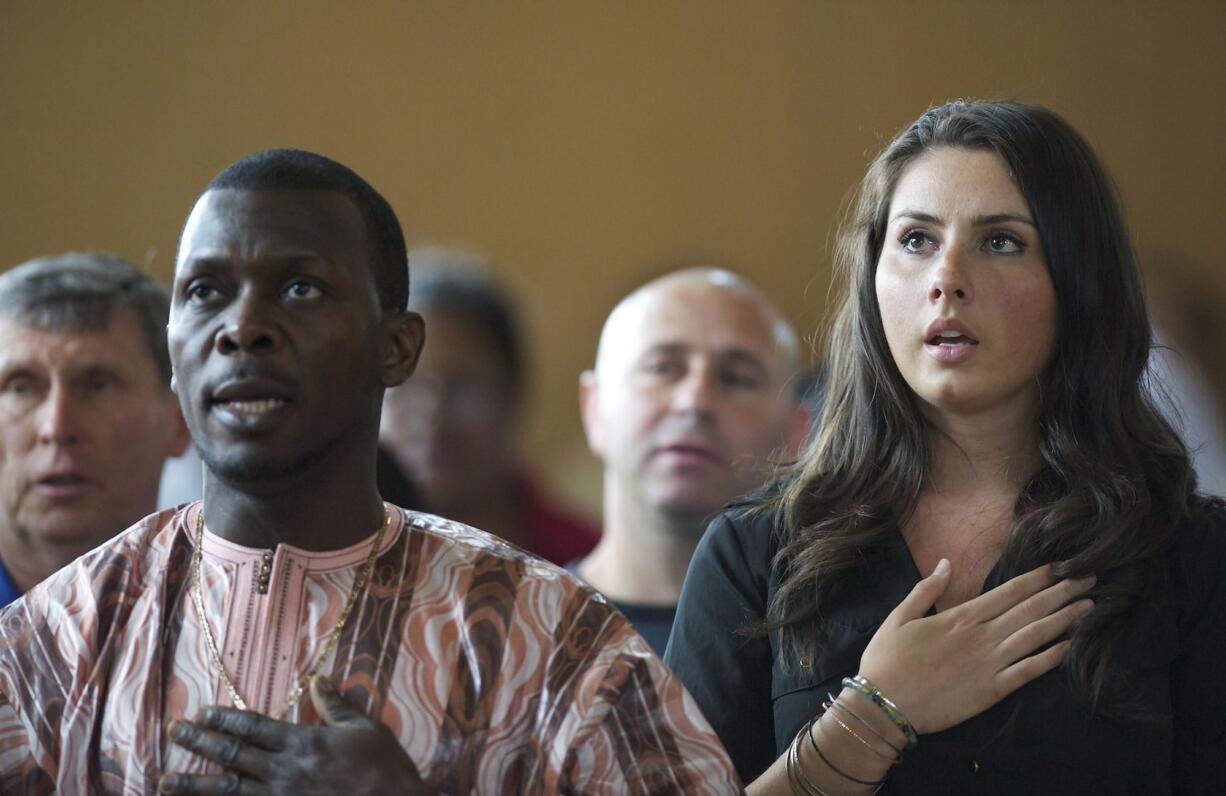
{"x": 942, "y": 567}
{"x": 1085, "y": 607}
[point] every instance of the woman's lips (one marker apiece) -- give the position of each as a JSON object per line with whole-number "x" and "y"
{"x": 949, "y": 328}
{"x": 951, "y": 350}
{"x": 950, "y": 341}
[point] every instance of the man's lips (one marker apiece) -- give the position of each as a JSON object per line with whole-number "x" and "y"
{"x": 251, "y": 396}
{"x": 258, "y": 406}
{"x": 689, "y": 451}
{"x": 61, "y": 483}
{"x": 248, "y": 404}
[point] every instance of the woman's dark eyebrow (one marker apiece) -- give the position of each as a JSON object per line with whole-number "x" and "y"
{"x": 996, "y": 218}
{"x": 980, "y": 221}
{"x": 927, "y": 218}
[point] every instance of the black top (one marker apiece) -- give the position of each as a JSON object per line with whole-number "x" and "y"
{"x": 653, "y": 622}
{"x": 1037, "y": 740}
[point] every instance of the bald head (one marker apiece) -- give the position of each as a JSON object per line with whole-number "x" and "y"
{"x": 691, "y": 394}
{"x": 674, "y": 289}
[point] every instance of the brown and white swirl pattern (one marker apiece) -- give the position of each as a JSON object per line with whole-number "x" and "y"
{"x": 500, "y": 673}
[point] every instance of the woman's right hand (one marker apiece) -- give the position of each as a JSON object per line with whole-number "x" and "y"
{"x": 941, "y": 670}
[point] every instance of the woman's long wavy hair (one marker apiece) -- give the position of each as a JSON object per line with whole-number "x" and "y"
{"x": 1114, "y": 478}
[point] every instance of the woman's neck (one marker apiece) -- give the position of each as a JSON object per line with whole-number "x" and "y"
{"x": 982, "y": 453}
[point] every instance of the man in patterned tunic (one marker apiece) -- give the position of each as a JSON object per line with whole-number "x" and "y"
{"x": 292, "y": 633}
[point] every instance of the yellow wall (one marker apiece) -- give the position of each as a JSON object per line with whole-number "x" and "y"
{"x": 585, "y": 145}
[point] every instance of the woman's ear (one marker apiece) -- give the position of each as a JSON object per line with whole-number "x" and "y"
{"x": 404, "y": 337}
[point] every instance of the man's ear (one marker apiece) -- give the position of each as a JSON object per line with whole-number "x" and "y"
{"x": 404, "y": 338}
{"x": 589, "y": 412}
{"x": 799, "y": 426}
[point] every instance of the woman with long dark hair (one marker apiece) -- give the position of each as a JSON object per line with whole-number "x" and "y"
{"x": 990, "y": 571}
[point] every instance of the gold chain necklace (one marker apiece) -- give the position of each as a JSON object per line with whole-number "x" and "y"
{"x": 359, "y": 583}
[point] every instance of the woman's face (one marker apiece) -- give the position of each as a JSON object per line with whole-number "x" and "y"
{"x": 966, "y": 300}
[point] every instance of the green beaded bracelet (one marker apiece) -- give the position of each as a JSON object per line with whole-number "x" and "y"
{"x": 865, "y": 687}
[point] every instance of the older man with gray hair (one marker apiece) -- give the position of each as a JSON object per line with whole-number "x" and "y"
{"x": 87, "y": 417}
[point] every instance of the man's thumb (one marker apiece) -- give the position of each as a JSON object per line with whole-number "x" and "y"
{"x": 331, "y": 706}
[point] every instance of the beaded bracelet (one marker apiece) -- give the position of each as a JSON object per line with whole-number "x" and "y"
{"x": 865, "y": 687}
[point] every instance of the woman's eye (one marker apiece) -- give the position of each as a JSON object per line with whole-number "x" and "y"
{"x": 915, "y": 241}
{"x": 1004, "y": 243}
{"x": 301, "y": 289}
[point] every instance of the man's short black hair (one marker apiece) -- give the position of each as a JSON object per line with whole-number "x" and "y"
{"x": 78, "y": 291}
{"x": 456, "y": 282}
{"x": 298, "y": 169}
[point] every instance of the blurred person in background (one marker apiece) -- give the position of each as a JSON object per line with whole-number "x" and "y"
{"x": 87, "y": 416}
{"x": 453, "y": 428}
{"x": 1188, "y": 362}
{"x": 691, "y": 400}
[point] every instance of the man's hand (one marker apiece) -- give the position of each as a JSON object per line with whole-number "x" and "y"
{"x": 350, "y": 754}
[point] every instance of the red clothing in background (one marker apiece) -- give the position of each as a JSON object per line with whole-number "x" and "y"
{"x": 550, "y": 531}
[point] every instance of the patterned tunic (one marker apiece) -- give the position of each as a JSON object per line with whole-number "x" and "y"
{"x": 499, "y": 673}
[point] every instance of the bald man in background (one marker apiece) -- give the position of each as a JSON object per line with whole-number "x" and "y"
{"x": 690, "y": 403}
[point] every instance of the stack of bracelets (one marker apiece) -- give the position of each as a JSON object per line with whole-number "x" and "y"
{"x": 800, "y": 781}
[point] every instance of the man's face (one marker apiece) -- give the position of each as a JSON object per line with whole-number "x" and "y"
{"x": 452, "y": 425}
{"x": 86, "y": 423}
{"x": 275, "y": 333}
{"x": 689, "y": 398}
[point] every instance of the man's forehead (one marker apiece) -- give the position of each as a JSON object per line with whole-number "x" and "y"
{"x": 117, "y": 343}
{"x": 693, "y": 315}
{"x": 704, "y": 315}
{"x": 228, "y": 221}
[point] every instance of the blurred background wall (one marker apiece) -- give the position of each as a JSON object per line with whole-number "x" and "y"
{"x": 585, "y": 146}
